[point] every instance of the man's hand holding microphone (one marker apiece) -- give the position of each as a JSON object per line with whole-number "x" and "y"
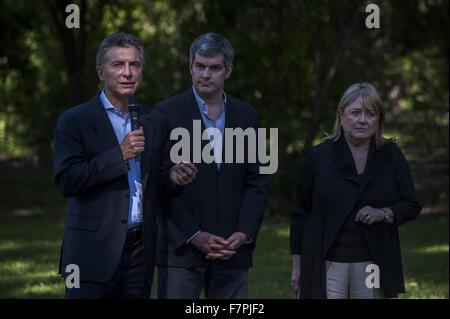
{"x": 134, "y": 143}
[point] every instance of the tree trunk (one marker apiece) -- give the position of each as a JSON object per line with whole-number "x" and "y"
{"x": 324, "y": 79}
{"x": 73, "y": 47}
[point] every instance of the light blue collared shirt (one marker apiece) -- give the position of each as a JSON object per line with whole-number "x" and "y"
{"x": 122, "y": 126}
{"x": 219, "y": 123}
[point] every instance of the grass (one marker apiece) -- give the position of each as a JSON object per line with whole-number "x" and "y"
{"x": 29, "y": 255}
{"x": 424, "y": 244}
{"x": 32, "y": 223}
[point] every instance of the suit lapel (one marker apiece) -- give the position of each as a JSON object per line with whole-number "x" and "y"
{"x": 343, "y": 162}
{"x": 191, "y": 112}
{"x": 232, "y": 122}
{"x": 344, "y": 168}
{"x": 102, "y": 125}
{"x": 145, "y": 158}
{"x": 375, "y": 162}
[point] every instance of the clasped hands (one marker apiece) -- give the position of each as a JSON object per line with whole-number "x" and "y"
{"x": 369, "y": 215}
{"x": 134, "y": 142}
{"x": 216, "y": 247}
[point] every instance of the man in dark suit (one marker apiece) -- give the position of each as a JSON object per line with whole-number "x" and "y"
{"x": 112, "y": 178}
{"x": 212, "y": 228}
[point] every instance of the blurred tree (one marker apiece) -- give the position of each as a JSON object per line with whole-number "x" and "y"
{"x": 293, "y": 61}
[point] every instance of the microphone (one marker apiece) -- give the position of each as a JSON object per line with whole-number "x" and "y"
{"x": 133, "y": 110}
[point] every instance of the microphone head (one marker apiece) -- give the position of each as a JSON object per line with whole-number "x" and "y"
{"x": 133, "y": 103}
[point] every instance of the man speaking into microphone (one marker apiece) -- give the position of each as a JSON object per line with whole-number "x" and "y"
{"x": 111, "y": 163}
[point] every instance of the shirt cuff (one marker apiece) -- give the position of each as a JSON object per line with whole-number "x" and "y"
{"x": 192, "y": 237}
{"x": 176, "y": 186}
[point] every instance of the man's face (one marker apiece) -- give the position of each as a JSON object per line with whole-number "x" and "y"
{"x": 209, "y": 74}
{"x": 122, "y": 72}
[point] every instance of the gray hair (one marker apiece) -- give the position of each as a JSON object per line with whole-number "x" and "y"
{"x": 211, "y": 44}
{"x": 118, "y": 40}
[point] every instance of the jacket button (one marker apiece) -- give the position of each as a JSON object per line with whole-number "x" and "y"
{"x": 123, "y": 221}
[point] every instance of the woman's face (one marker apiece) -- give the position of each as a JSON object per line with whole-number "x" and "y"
{"x": 359, "y": 122}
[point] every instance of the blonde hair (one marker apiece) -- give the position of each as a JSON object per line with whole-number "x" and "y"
{"x": 369, "y": 98}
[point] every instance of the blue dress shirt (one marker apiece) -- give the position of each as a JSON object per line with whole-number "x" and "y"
{"x": 122, "y": 126}
{"x": 218, "y": 123}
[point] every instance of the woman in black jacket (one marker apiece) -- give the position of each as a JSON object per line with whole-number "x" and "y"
{"x": 354, "y": 190}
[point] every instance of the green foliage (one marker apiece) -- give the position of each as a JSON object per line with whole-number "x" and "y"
{"x": 293, "y": 61}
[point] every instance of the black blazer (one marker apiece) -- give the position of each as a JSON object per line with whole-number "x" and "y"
{"x": 91, "y": 173}
{"x": 328, "y": 189}
{"x": 221, "y": 202}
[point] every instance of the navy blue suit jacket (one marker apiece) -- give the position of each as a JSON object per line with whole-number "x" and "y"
{"x": 219, "y": 201}
{"x": 90, "y": 171}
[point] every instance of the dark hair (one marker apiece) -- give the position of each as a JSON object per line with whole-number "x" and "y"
{"x": 118, "y": 40}
{"x": 211, "y": 44}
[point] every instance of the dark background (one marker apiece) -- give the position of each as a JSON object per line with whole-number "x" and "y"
{"x": 293, "y": 61}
